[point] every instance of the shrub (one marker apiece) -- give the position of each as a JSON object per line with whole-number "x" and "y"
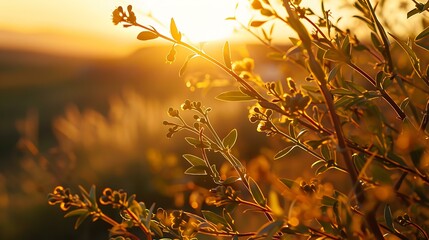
{"x": 364, "y": 120}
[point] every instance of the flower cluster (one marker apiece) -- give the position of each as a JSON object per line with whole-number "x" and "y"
{"x": 65, "y": 198}
{"x": 263, "y": 117}
{"x": 404, "y": 220}
{"x": 119, "y": 15}
{"x": 295, "y": 102}
{"x": 222, "y": 195}
{"x": 116, "y": 198}
{"x": 186, "y": 225}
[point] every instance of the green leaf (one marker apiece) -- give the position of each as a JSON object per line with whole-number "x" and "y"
{"x": 321, "y": 170}
{"x": 292, "y": 131}
{"x": 327, "y": 226}
{"x": 130, "y": 200}
{"x": 174, "y": 32}
{"x": 77, "y": 212}
{"x": 194, "y": 160}
{"x": 359, "y": 161}
{"x": 234, "y": 96}
{"x": 256, "y": 192}
{"x": 85, "y": 195}
{"x": 415, "y": 61}
{"x": 367, "y": 21}
{"x": 416, "y": 156}
{"x": 325, "y": 152}
{"x": 230, "y": 180}
{"x": 92, "y": 196}
{"x": 196, "y": 170}
{"x": 229, "y": 219}
{"x": 227, "y": 55}
{"x": 318, "y": 163}
{"x": 388, "y": 217}
{"x": 376, "y": 43}
{"x": 185, "y": 64}
{"x": 314, "y": 144}
{"x": 155, "y": 228}
{"x": 284, "y": 152}
{"x": 346, "y": 46}
{"x": 288, "y": 182}
{"x": 333, "y": 72}
{"x": 269, "y": 229}
{"x": 342, "y": 91}
{"x": 328, "y": 201}
{"x": 333, "y": 55}
{"x": 197, "y": 143}
{"x": 404, "y": 103}
{"x": 413, "y": 12}
{"x": 301, "y": 133}
{"x": 80, "y": 220}
{"x": 147, "y": 35}
{"x": 423, "y": 34}
{"x": 230, "y": 139}
{"x": 215, "y": 218}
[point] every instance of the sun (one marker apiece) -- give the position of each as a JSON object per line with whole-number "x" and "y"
{"x": 198, "y": 20}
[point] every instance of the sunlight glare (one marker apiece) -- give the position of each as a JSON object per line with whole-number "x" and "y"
{"x": 198, "y": 20}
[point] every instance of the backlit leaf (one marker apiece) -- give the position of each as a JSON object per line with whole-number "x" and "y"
{"x": 269, "y": 229}
{"x": 196, "y": 170}
{"x": 197, "y": 143}
{"x": 230, "y": 139}
{"x": 227, "y": 55}
{"x": 333, "y": 72}
{"x": 146, "y": 35}
{"x": 328, "y": 201}
{"x": 333, "y": 55}
{"x": 194, "y": 160}
{"x": 423, "y": 34}
{"x": 256, "y": 192}
{"x": 185, "y": 64}
{"x": 388, "y": 217}
{"x": 215, "y": 218}
{"x": 284, "y": 152}
{"x": 257, "y": 23}
{"x": 288, "y": 182}
{"x": 234, "y": 96}
{"x": 174, "y": 32}
{"x": 80, "y": 220}
{"x": 77, "y": 212}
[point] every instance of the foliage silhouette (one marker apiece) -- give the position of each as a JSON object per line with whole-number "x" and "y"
{"x": 366, "y": 121}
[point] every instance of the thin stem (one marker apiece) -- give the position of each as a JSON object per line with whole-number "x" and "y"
{"x": 107, "y": 219}
{"x": 244, "y": 202}
{"x": 320, "y": 31}
{"x": 425, "y": 118}
{"x": 319, "y": 75}
{"x": 225, "y": 234}
{"x": 383, "y": 36}
{"x": 142, "y": 227}
{"x": 399, "y": 235}
{"x": 112, "y": 222}
{"x": 267, "y": 44}
{"x": 384, "y": 94}
{"x": 324, "y": 234}
{"x": 420, "y": 229}
{"x": 407, "y": 81}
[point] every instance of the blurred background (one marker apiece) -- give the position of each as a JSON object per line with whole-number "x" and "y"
{"x": 82, "y": 102}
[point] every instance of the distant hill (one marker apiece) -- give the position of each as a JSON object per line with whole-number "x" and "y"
{"x": 48, "y": 82}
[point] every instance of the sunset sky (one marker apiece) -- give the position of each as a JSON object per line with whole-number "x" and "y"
{"x": 85, "y": 26}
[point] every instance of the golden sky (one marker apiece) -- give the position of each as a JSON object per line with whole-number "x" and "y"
{"x": 85, "y": 26}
